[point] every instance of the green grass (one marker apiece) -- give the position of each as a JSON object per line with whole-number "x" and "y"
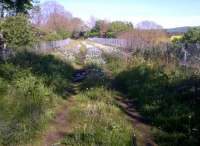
{"x": 114, "y": 64}
{"x": 55, "y": 73}
{"x": 25, "y": 104}
{"x": 30, "y": 87}
{"x": 156, "y": 88}
{"x": 97, "y": 121}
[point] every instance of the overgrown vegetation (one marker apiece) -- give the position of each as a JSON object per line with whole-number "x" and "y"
{"x": 18, "y": 32}
{"x": 106, "y": 29}
{"x": 96, "y": 120}
{"x": 30, "y": 87}
{"x": 164, "y": 97}
{"x": 192, "y": 36}
{"x": 25, "y": 104}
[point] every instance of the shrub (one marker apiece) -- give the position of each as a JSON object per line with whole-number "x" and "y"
{"x": 192, "y": 36}
{"x": 54, "y": 36}
{"x": 18, "y": 32}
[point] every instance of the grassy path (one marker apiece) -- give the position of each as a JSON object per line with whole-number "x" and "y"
{"x": 58, "y": 127}
{"x": 96, "y": 115}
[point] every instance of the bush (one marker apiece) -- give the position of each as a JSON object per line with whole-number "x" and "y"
{"x": 18, "y": 32}
{"x": 93, "y": 34}
{"x": 192, "y": 36}
{"x": 54, "y": 36}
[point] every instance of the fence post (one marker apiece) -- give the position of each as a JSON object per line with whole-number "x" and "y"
{"x": 134, "y": 142}
{"x": 185, "y": 57}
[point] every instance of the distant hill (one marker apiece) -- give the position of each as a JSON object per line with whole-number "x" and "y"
{"x": 178, "y": 30}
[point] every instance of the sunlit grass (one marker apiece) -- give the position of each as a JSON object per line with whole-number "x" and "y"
{"x": 97, "y": 121}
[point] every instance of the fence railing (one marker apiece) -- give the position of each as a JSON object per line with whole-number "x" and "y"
{"x": 45, "y": 47}
{"x": 110, "y": 41}
{"x": 187, "y": 54}
{"x": 42, "y": 47}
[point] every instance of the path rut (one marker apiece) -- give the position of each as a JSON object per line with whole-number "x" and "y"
{"x": 140, "y": 124}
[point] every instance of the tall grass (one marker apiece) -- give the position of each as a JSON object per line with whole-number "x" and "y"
{"x": 30, "y": 85}
{"x": 97, "y": 121}
{"x": 24, "y": 107}
{"x": 165, "y": 98}
{"x": 56, "y": 73}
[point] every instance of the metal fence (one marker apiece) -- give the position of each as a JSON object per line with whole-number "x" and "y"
{"x": 45, "y": 47}
{"x": 187, "y": 54}
{"x": 110, "y": 41}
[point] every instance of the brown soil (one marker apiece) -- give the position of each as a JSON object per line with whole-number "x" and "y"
{"x": 58, "y": 127}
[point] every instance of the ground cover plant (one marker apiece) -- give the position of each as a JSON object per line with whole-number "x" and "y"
{"x": 97, "y": 120}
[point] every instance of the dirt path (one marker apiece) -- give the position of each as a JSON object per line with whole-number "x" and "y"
{"x": 58, "y": 126}
{"x": 140, "y": 124}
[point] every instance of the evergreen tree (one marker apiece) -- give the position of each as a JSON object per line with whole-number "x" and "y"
{"x": 22, "y": 6}
{"x": 5, "y": 5}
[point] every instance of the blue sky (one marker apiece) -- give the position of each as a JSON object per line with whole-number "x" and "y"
{"x": 168, "y": 13}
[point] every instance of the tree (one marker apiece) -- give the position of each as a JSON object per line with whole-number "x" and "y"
{"x": 13, "y": 7}
{"x": 92, "y": 22}
{"x": 120, "y": 26}
{"x": 76, "y": 24}
{"x": 52, "y": 7}
{"x": 54, "y": 21}
{"x": 36, "y": 15}
{"x": 22, "y": 6}
{"x": 21, "y": 35}
{"x": 101, "y": 28}
{"x": 4, "y": 6}
{"x": 107, "y": 29}
{"x": 148, "y": 25}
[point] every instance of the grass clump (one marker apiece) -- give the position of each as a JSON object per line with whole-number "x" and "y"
{"x": 55, "y": 73}
{"x": 98, "y": 121}
{"x": 115, "y": 64}
{"x": 99, "y": 94}
{"x": 24, "y": 110}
